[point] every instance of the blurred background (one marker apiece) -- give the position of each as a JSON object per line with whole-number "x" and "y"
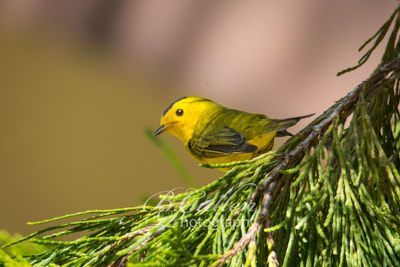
{"x": 81, "y": 80}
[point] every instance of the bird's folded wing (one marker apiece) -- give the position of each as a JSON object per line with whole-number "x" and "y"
{"x": 219, "y": 143}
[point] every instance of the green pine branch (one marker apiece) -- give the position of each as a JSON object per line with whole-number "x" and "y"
{"x": 329, "y": 196}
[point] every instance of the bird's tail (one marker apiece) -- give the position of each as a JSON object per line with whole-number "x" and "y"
{"x": 283, "y": 133}
{"x": 280, "y": 126}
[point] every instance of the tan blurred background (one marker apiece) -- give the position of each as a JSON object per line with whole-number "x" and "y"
{"x": 81, "y": 80}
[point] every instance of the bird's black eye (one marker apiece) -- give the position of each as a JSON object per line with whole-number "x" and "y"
{"x": 179, "y": 112}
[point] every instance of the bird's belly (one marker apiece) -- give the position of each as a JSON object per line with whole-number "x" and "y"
{"x": 264, "y": 142}
{"x": 230, "y": 158}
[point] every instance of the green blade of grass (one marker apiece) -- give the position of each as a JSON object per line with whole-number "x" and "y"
{"x": 172, "y": 157}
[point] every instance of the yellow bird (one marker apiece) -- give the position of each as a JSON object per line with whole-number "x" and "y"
{"x": 215, "y": 134}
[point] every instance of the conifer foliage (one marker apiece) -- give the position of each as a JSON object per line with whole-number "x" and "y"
{"x": 329, "y": 196}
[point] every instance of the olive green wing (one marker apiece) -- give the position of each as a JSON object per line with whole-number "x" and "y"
{"x": 219, "y": 143}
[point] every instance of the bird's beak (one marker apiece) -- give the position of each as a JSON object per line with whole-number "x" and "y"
{"x": 160, "y": 130}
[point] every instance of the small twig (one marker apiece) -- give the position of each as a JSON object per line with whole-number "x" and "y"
{"x": 239, "y": 244}
{"x": 264, "y": 217}
{"x": 143, "y": 255}
{"x": 121, "y": 262}
{"x": 250, "y": 235}
{"x": 128, "y": 237}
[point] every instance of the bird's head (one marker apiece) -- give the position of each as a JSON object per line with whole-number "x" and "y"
{"x": 182, "y": 115}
